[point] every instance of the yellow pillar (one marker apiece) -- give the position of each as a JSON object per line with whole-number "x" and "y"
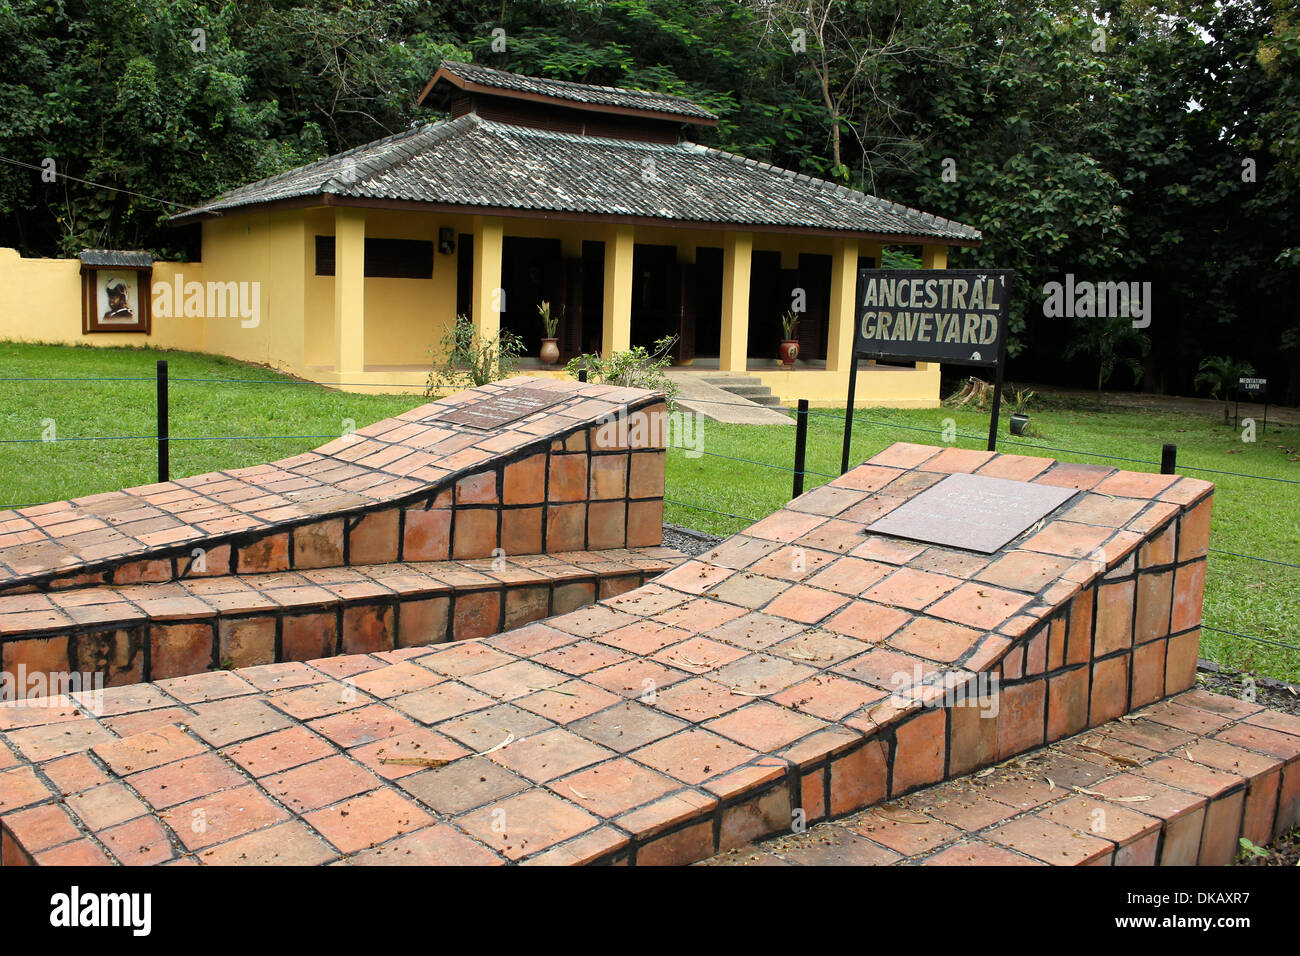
{"x": 616, "y": 329}
{"x": 487, "y": 299}
{"x": 737, "y": 248}
{"x": 349, "y": 290}
{"x": 933, "y": 257}
{"x": 843, "y": 306}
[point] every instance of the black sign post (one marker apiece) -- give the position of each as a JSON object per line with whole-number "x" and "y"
{"x": 953, "y": 316}
{"x": 1255, "y": 388}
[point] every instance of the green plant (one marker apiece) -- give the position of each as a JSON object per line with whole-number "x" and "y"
{"x": 1105, "y": 338}
{"x": 789, "y": 325}
{"x": 1219, "y": 373}
{"x": 549, "y": 322}
{"x": 1249, "y": 850}
{"x": 1021, "y": 399}
{"x": 469, "y": 360}
{"x": 638, "y": 367}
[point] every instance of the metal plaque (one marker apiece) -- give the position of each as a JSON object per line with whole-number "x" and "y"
{"x": 972, "y": 512}
{"x": 503, "y": 408}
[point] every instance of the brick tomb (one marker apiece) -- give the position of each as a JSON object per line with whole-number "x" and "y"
{"x": 461, "y": 518}
{"x": 807, "y": 667}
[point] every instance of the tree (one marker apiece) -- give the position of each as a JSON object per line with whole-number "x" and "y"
{"x": 1219, "y": 374}
{"x": 1106, "y": 339}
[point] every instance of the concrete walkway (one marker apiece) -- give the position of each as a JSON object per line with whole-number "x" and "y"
{"x": 718, "y": 405}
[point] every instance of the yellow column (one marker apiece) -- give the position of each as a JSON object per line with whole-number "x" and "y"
{"x": 487, "y": 299}
{"x": 349, "y": 290}
{"x": 843, "y": 304}
{"x": 933, "y": 257}
{"x": 737, "y": 248}
{"x": 616, "y": 328}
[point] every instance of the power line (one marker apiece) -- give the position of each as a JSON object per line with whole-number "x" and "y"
{"x": 87, "y": 182}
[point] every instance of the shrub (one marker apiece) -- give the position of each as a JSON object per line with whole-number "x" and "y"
{"x": 468, "y": 360}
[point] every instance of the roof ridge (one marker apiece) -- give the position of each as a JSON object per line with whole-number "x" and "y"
{"x": 695, "y": 108}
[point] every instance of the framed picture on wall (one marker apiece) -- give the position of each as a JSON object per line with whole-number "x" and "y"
{"x": 115, "y": 291}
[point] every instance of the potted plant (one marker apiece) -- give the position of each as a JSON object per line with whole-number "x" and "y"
{"x": 550, "y": 353}
{"x": 1019, "y": 415}
{"x": 789, "y": 344}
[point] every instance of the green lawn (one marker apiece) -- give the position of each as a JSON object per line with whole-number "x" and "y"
{"x": 274, "y": 405}
{"x": 1251, "y": 517}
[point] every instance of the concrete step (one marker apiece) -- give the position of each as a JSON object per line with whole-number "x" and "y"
{"x": 746, "y": 387}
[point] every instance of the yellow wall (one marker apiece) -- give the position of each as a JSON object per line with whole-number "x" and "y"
{"x": 42, "y": 303}
{"x": 403, "y": 317}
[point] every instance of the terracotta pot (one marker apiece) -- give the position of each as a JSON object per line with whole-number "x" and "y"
{"x": 550, "y": 353}
{"x": 789, "y": 352}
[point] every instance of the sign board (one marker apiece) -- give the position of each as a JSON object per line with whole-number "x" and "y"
{"x": 1255, "y": 386}
{"x": 933, "y": 315}
{"x": 957, "y": 316}
{"x": 972, "y": 512}
{"x": 502, "y": 408}
{"x": 1254, "y": 389}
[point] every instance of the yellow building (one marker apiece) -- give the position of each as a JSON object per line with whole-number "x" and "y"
{"x": 590, "y": 198}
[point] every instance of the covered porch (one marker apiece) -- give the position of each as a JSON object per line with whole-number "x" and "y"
{"x": 612, "y": 285}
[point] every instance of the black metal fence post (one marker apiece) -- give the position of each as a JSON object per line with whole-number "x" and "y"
{"x": 164, "y": 466}
{"x": 1168, "y": 458}
{"x": 800, "y": 445}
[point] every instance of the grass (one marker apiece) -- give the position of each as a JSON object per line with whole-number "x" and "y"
{"x": 1251, "y": 516}
{"x": 263, "y": 403}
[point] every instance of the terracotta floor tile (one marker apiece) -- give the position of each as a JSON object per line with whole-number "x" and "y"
{"x": 805, "y": 605}
{"x": 527, "y": 823}
{"x": 868, "y": 621}
{"x": 568, "y": 702}
{"x": 828, "y": 696}
{"x": 698, "y": 699}
{"x": 279, "y": 751}
{"x": 368, "y": 820}
{"x": 318, "y": 784}
{"x": 935, "y": 640}
{"x": 978, "y": 605}
{"x": 908, "y": 588}
{"x": 549, "y": 755}
{"x": 627, "y": 726}
{"x": 614, "y": 787}
{"x": 764, "y": 726}
{"x": 222, "y": 816}
{"x": 693, "y": 755}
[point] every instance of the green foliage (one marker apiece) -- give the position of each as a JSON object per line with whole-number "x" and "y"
{"x": 789, "y": 325}
{"x": 1107, "y": 340}
{"x": 465, "y": 359}
{"x": 638, "y": 367}
{"x": 1250, "y": 851}
{"x": 1218, "y": 374}
{"x": 549, "y": 322}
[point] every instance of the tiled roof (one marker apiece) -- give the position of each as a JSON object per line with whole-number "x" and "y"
{"x": 474, "y": 162}
{"x": 582, "y": 93}
{"x": 109, "y": 258}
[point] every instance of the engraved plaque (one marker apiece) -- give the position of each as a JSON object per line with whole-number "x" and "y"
{"x": 972, "y": 512}
{"x": 502, "y": 409}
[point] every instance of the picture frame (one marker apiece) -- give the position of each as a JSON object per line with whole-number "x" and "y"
{"x": 116, "y": 291}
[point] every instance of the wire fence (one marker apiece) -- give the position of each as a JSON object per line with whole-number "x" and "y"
{"x": 798, "y": 470}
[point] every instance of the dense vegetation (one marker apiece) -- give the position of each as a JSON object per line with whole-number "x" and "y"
{"x": 1153, "y": 142}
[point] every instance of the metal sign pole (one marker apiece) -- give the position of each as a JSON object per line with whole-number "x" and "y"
{"x": 997, "y": 407}
{"x": 848, "y": 413}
